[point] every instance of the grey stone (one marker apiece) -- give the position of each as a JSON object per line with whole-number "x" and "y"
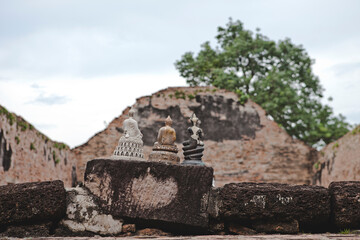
{"x": 288, "y": 227}
{"x": 345, "y": 201}
{"x": 262, "y": 202}
{"x": 42, "y": 201}
{"x": 151, "y": 190}
{"x": 83, "y": 214}
{"x": 236, "y": 228}
{"x": 28, "y": 230}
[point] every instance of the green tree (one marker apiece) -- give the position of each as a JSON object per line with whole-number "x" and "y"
{"x": 276, "y": 75}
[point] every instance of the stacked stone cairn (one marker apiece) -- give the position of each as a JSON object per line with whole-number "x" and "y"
{"x": 194, "y": 147}
{"x": 164, "y": 148}
{"x": 130, "y": 146}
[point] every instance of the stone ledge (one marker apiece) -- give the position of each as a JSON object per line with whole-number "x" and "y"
{"x": 43, "y": 201}
{"x": 345, "y": 204}
{"x": 152, "y": 191}
{"x": 261, "y": 203}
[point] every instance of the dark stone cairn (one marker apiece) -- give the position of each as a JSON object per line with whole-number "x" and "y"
{"x": 194, "y": 147}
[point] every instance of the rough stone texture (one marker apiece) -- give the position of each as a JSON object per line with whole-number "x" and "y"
{"x": 256, "y": 203}
{"x": 28, "y": 230}
{"x": 288, "y": 227}
{"x": 152, "y": 232}
{"x": 44, "y": 201}
{"x": 345, "y": 202}
{"x": 340, "y": 160}
{"x": 151, "y": 190}
{"x": 236, "y": 228}
{"x": 241, "y": 143}
{"x": 27, "y": 155}
{"x": 129, "y": 228}
{"x": 326, "y": 236}
{"x": 216, "y": 227}
{"x": 83, "y": 214}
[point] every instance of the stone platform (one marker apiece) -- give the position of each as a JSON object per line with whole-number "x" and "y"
{"x": 43, "y": 201}
{"x": 225, "y": 237}
{"x": 151, "y": 191}
{"x": 273, "y": 207}
{"x": 138, "y": 199}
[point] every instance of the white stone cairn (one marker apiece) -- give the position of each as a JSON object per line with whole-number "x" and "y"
{"x": 130, "y": 146}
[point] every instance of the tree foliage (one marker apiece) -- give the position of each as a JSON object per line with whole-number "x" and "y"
{"x": 276, "y": 75}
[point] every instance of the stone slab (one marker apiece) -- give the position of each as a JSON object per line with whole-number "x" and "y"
{"x": 151, "y": 190}
{"x": 258, "y": 202}
{"x": 345, "y": 201}
{"x": 28, "y": 230}
{"x": 83, "y": 214}
{"x": 326, "y": 236}
{"x": 42, "y": 201}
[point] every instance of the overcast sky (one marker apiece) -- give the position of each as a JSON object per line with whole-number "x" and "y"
{"x": 69, "y": 66}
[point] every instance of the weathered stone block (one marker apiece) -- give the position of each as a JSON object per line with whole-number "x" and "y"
{"x": 151, "y": 190}
{"x": 257, "y": 202}
{"x": 83, "y": 214}
{"x": 345, "y": 202}
{"x": 42, "y": 201}
{"x": 28, "y": 230}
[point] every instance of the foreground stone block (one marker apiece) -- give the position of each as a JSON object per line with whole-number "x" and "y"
{"x": 42, "y": 201}
{"x": 345, "y": 201}
{"x": 258, "y": 203}
{"x": 83, "y": 214}
{"x": 151, "y": 190}
{"x": 27, "y": 230}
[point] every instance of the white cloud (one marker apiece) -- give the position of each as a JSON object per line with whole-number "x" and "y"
{"x": 50, "y": 99}
{"x": 90, "y": 102}
{"x": 97, "y": 57}
{"x": 339, "y": 73}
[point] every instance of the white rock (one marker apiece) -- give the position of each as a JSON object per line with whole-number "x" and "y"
{"x": 84, "y": 215}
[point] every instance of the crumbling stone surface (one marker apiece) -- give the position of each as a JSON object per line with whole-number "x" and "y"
{"x": 345, "y": 202}
{"x": 152, "y": 232}
{"x": 216, "y": 227}
{"x": 44, "y": 201}
{"x": 239, "y": 229}
{"x": 151, "y": 190}
{"x": 83, "y": 214}
{"x": 339, "y": 160}
{"x": 283, "y": 227}
{"x": 27, "y": 155}
{"x": 241, "y": 142}
{"x": 129, "y": 228}
{"x": 257, "y": 202}
{"x": 326, "y": 236}
{"x": 27, "y": 230}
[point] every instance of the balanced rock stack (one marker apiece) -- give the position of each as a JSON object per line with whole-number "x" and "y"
{"x": 130, "y": 146}
{"x": 164, "y": 148}
{"x": 194, "y": 147}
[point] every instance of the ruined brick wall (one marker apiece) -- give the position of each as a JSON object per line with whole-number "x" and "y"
{"x": 340, "y": 160}
{"x": 26, "y": 155}
{"x": 241, "y": 143}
